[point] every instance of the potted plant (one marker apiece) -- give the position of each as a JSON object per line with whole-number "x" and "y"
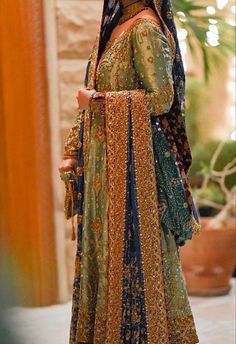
{"x": 209, "y": 259}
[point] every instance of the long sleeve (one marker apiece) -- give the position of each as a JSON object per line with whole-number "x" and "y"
{"x": 153, "y": 64}
{"x": 153, "y": 67}
{"x": 72, "y": 143}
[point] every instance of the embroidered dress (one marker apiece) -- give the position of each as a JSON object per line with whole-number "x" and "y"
{"x": 135, "y": 205}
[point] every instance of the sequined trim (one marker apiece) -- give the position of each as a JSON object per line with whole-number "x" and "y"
{"x": 196, "y": 227}
{"x": 150, "y": 231}
{"x": 183, "y": 330}
{"x": 72, "y": 143}
{"x": 93, "y": 63}
{"x": 180, "y": 319}
{"x": 117, "y": 140}
{"x": 127, "y": 31}
{"x": 87, "y": 124}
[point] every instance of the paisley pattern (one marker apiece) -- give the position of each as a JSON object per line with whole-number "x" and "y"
{"x": 135, "y": 204}
{"x": 171, "y": 193}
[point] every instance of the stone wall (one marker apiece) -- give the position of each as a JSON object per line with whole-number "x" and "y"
{"x": 71, "y": 27}
{"x": 77, "y": 25}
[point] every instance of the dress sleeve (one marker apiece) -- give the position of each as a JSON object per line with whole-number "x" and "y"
{"x": 153, "y": 65}
{"x": 72, "y": 143}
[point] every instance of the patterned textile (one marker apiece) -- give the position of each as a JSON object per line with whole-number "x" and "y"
{"x": 135, "y": 205}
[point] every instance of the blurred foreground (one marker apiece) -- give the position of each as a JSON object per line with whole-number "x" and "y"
{"x": 50, "y": 325}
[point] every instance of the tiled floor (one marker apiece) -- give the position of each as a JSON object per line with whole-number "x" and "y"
{"x": 215, "y": 321}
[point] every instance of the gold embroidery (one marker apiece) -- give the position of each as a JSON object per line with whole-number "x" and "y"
{"x": 97, "y": 185}
{"x": 99, "y": 134}
{"x": 180, "y": 319}
{"x": 79, "y": 171}
{"x": 75, "y": 295}
{"x": 158, "y": 86}
{"x": 100, "y": 325}
{"x": 126, "y": 34}
{"x": 160, "y": 100}
{"x": 150, "y": 231}
{"x": 97, "y": 225}
{"x": 183, "y": 330}
{"x": 85, "y": 324}
{"x": 117, "y": 140}
{"x": 72, "y": 143}
{"x": 196, "y": 226}
{"x": 87, "y": 124}
{"x": 93, "y": 63}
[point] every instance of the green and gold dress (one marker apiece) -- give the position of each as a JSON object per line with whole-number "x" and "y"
{"x": 134, "y": 213}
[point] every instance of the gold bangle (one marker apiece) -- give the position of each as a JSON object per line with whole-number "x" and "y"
{"x": 65, "y": 157}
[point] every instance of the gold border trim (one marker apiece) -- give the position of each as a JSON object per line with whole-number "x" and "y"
{"x": 116, "y": 107}
{"x": 150, "y": 230}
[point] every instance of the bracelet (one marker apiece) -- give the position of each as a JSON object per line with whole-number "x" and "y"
{"x": 69, "y": 157}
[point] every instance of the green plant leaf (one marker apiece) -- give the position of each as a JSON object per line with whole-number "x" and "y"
{"x": 191, "y": 15}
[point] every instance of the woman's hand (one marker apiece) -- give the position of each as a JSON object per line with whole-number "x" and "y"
{"x": 67, "y": 165}
{"x": 83, "y": 98}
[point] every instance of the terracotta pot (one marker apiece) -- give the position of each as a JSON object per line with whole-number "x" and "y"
{"x": 208, "y": 260}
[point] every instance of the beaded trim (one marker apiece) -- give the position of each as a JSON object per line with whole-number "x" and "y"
{"x": 117, "y": 143}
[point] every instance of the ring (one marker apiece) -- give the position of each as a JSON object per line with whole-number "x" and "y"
{"x": 65, "y": 176}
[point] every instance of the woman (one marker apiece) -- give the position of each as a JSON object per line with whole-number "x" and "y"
{"x": 131, "y": 153}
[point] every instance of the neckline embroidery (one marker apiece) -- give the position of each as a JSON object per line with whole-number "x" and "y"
{"x": 111, "y": 44}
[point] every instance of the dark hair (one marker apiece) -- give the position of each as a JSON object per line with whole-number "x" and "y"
{"x": 111, "y": 17}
